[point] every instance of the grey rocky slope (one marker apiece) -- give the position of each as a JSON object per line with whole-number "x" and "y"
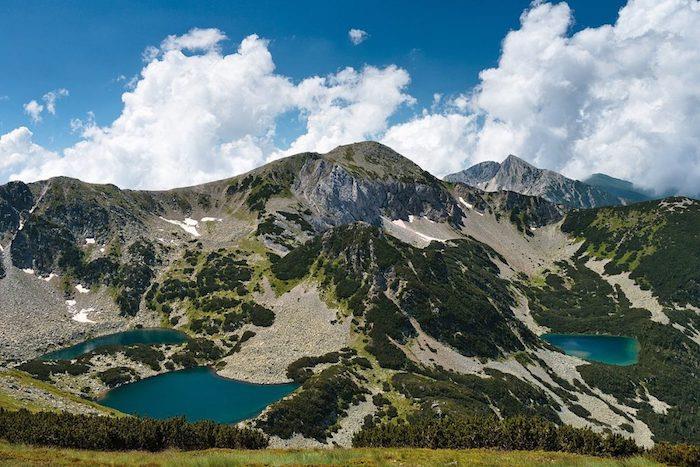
{"x": 514, "y": 174}
{"x": 354, "y": 271}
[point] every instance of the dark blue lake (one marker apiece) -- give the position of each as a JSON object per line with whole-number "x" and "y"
{"x": 613, "y": 350}
{"x": 197, "y": 394}
{"x": 134, "y": 336}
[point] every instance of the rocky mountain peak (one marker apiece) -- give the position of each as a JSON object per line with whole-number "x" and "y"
{"x": 514, "y": 162}
{"x": 372, "y": 159}
{"x": 515, "y": 174}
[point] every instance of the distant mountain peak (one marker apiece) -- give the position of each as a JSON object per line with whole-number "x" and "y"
{"x": 515, "y": 161}
{"x": 518, "y": 175}
{"x": 618, "y": 187}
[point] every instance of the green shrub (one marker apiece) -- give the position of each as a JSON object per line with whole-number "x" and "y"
{"x": 259, "y": 315}
{"x": 116, "y": 376}
{"x": 93, "y": 432}
{"x": 676, "y": 454}
{"x": 43, "y": 369}
{"x": 300, "y": 370}
{"x": 297, "y": 262}
{"x": 315, "y": 411}
{"x": 516, "y": 433}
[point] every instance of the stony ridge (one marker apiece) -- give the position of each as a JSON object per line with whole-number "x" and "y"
{"x": 514, "y": 174}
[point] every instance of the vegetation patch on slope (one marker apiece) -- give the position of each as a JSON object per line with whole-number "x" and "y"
{"x": 656, "y": 241}
{"x": 314, "y": 412}
{"x": 341, "y": 457}
{"x": 517, "y": 433}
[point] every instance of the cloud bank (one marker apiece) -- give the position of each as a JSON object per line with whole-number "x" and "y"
{"x": 623, "y": 99}
{"x": 201, "y": 116}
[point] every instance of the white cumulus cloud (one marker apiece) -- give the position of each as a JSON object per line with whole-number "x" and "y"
{"x": 206, "y": 115}
{"x": 439, "y": 143}
{"x": 195, "y": 40}
{"x": 34, "y": 109}
{"x": 349, "y": 106}
{"x": 17, "y": 150}
{"x": 357, "y": 36}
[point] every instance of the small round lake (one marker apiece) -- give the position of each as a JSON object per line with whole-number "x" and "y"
{"x": 134, "y": 336}
{"x": 197, "y": 394}
{"x": 612, "y": 350}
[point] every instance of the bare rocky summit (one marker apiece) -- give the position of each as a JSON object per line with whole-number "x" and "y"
{"x": 514, "y": 174}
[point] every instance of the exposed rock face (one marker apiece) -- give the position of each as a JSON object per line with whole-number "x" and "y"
{"x": 365, "y": 181}
{"x": 514, "y": 174}
{"x": 523, "y": 210}
{"x": 15, "y": 197}
{"x": 476, "y": 175}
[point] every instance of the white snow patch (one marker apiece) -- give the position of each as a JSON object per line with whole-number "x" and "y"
{"x": 71, "y": 303}
{"x": 81, "y": 289}
{"x": 470, "y": 206}
{"x": 49, "y": 277}
{"x": 28, "y": 271}
{"x": 404, "y": 225}
{"x": 412, "y": 219}
{"x": 89, "y": 241}
{"x": 102, "y": 250}
{"x": 212, "y": 219}
{"x": 82, "y": 316}
{"x": 189, "y": 225}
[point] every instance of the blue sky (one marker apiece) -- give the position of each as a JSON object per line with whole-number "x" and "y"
{"x": 577, "y": 86}
{"x": 85, "y": 46}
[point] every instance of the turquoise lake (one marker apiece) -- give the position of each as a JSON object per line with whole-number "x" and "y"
{"x": 612, "y": 350}
{"x": 197, "y": 394}
{"x": 134, "y": 336}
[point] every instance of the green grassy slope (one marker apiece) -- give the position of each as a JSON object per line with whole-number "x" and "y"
{"x": 10, "y": 401}
{"x": 24, "y": 455}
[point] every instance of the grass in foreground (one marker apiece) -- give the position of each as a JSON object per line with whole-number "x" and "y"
{"x": 25, "y": 455}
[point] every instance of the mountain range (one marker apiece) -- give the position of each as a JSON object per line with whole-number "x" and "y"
{"x": 383, "y": 291}
{"x": 515, "y": 174}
